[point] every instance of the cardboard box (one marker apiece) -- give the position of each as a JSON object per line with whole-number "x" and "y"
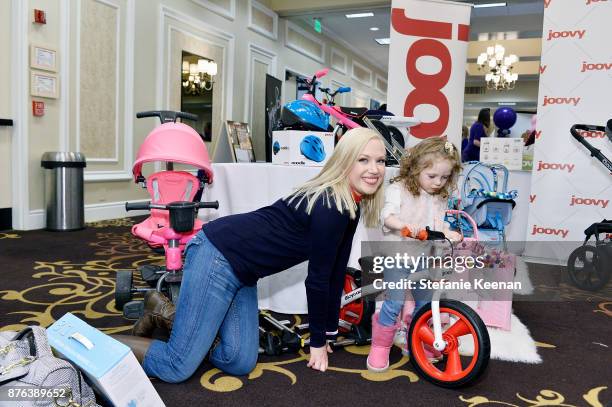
{"x": 295, "y": 147}
{"x": 111, "y": 366}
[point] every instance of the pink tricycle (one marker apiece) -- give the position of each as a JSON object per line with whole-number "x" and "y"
{"x": 174, "y": 205}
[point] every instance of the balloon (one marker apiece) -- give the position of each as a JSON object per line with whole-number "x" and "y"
{"x": 504, "y": 118}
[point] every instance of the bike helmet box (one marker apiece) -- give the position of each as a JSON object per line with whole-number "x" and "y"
{"x": 302, "y": 148}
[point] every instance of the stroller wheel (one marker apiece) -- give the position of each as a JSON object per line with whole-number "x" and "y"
{"x": 585, "y": 269}
{"x": 454, "y": 370}
{"x": 123, "y": 288}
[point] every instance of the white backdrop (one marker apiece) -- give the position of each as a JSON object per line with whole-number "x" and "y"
{"x": 427, "y": 61}
{"x": 570, "y": 190}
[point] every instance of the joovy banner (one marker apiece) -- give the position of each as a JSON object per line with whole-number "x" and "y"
{"x": 570, "y": 189}
{"x": 427, "y": 62}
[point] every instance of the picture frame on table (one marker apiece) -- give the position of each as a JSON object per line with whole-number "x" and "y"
{"x": 239, "y": 135}
{"x": 44, "y": 84}
{"x": 43, "y": 57}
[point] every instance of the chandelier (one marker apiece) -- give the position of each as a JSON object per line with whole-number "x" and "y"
{"x": 198, "y": 78}
{"x": 497, "y": 68}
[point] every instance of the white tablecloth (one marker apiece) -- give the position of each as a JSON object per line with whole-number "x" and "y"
{"x": 242, "y": 188}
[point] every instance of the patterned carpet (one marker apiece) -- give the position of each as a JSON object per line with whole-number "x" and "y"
{"x": 46, "y": 274}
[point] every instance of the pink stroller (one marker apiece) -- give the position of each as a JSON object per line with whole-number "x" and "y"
{"x": 174, "y": 205}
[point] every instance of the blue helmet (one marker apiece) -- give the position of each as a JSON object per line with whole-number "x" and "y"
{"x": 304, "y": 115}
{"x": 312, "y": 148}
{"x": 276, "y": 147}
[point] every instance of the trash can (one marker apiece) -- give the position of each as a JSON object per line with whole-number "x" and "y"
{"x": 64, "y": 190}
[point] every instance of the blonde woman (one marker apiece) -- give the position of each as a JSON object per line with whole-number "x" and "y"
{"x": 224, "y": 261}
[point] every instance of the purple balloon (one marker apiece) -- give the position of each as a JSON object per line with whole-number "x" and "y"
{"x": 504, "y": 118}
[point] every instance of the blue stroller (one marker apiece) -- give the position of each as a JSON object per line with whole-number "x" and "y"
{"x": 487, "y": 200}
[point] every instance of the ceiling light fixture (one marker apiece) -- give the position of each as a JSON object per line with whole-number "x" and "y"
{"x": 487, "y": 5}
{"x": 498, "y": 68}
{"x": 374, "y": 28}
{"x": 360, "y": 15}
{"x": 383, "y": 41}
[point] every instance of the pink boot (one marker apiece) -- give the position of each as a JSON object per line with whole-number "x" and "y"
{"x": 382, "y": 340}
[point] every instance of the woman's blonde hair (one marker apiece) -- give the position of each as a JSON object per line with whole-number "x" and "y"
{"x": 422, "y": 156}
{"x": 334, "y": 177}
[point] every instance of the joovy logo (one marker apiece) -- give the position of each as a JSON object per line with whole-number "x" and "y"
{"x": 540, "y": 230}
{"x": 561, "y": 101}
{"x": 547, "y": 3}
{"x": 589, "y": 2}
{"x": 589, "y": 201}
{"x": 565, "y": 34}
{"x": 596, "y": 67}
{"x": 554, "y": 166}
{"x": 592, "y": 134}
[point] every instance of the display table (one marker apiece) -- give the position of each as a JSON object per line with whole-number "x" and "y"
{"x": 242, "y": 188}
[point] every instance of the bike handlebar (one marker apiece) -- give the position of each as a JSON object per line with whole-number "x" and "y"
{"x": 167, "y": 116}
{"x": 327, "y": 91}
{"x": 134, "y": 206}
{"x": 209, "y": 205}
{"x": 321, "y": 73}
{"x": 423, "y": 234}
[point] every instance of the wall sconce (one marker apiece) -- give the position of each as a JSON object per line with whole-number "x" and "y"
{"x": 198, "y": 78}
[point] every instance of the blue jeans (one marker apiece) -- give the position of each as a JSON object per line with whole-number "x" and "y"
{"x": 212, "y": 302}
{"x": 394, "y": 299}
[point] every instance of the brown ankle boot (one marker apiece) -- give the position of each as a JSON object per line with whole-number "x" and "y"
{"x": 139, "y": 346}
{"x": 158, "y": 313}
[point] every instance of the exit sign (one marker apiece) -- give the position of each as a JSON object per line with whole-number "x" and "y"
{"x": 317, "y": 25}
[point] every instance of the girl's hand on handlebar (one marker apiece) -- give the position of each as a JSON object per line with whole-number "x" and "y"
{"x": 413, "y": 231}
{"x": 318, "y": 358}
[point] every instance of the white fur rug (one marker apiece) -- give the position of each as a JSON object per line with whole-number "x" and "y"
{"x": 515, "y": 345}
{"x": 522, "y": 275}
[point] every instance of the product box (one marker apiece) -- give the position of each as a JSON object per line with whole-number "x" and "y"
{"x": 111, "y": 366}
{"x": 304, "y": 148}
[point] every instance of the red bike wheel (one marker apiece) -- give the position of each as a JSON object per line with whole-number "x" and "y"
{"x": 453, "y": 370}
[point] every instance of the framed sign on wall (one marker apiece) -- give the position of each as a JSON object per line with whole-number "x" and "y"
{"x": 43, "y": 57}
{"x": 44, "y": 85}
